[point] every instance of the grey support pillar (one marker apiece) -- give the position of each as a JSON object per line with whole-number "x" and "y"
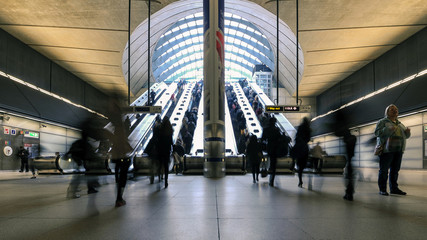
{"x": 213, "y": 74}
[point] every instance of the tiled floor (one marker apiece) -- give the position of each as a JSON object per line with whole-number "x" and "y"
{"x": 194, "y": 207}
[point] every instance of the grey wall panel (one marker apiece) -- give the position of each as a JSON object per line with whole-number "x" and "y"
{"x": 95, "y": 99}
{"x": 408, "y": 57}
{"x": 67, "y": 85}
{"x": 422, "y": 49}
{"x": 27, "y": 64}
{"x": 12, "y": 99}
{"x": 49, "y": 107}
{"x": 414, "y": 96}
{"x": 358, "y": 84}
{"x": 3, "y": 50}
{"x": 330, "y": 99}
{"x": 386, "y": 69}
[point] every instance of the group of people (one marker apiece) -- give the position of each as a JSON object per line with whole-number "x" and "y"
{"x": 391, "y": 137}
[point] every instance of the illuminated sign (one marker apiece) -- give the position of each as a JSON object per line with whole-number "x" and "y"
{"x": 287, "y": 108}
{"x": 143, "y": 109}
{"x": 273, "y": 109}
{"x": 31, "y": 134}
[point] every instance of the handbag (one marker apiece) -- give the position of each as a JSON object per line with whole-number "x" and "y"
{"x": 379, "y": 149}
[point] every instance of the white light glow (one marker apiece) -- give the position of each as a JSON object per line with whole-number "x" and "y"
{"x": 48, "y": 93}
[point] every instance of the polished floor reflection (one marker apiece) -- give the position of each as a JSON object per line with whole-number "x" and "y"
{"x": 194, "y": 207}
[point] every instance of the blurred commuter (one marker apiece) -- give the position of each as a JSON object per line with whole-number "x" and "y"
{"x": 391, "y": 137}
{"x": 151, "y": 150}
{"x": 188, "y": 141}
{"x": 164, "y": 146}
{"x": 300, "y": 150}
{"x": 178, "y": 153}
{"x": 121, "y": 149}
{"x": 82, "y": 152}
{"x": 152, "y": 97}
{"x": 127, "y": 125}
{"x": 23, "y": 154}
{"x": 271, "y": 134}
{"x": 342, "y": 130}
{"x": 317, "y": 155}
{"x": 254, "y": 155}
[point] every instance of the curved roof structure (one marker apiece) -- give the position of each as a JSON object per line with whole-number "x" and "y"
{"x": 179, "y": 51}
{"x": 88, "y": 37}
{"x": 177, "y": 44}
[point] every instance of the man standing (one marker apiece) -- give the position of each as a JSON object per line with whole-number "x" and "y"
{"x": 23, "y": 154}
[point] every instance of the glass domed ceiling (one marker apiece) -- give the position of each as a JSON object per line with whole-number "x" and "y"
{"x": 179, "y": 51}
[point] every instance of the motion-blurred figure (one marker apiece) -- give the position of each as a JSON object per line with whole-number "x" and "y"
{"x": 317, "y": 155}
{"x": 121, "y": 149}
{"x": 391, "y": 137}
{"x": 164, "y": 147}
{"x": 151, "y": 150}
{"x": 82, "y": 153}
{"x": 254, "y": 155}
{"x": 300, "y": 150}
{"x": 271, "y": 134}
{"x": 342, "y": 130}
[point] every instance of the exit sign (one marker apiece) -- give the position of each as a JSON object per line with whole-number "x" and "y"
{"x": 287, "y": 108}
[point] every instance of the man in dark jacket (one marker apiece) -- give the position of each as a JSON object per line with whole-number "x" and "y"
{"x": 271, "y": 134}
{"x": 23, "y": 154}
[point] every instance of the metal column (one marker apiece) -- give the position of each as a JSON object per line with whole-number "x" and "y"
{"x": 213, "y": 73}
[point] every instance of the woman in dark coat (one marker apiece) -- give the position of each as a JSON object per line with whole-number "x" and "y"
{"x": 254, "y": 155}
{"x": 164, "y": 146}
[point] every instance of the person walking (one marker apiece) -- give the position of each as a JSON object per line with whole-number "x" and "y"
{"x": 300, "y": 150}
{"x": 254, "y": 155}
{"x": 121, "y": 149}
{"x": 165, "y": 143}
{"x": 271, "y": 134}
{"x": 391, "y": 137}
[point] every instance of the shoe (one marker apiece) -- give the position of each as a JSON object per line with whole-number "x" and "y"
{"x": 90, "y": 191}
{"x": 20, "y": 171}
{"x": 300, "y": 185}
{"x": 120, "y": 203}
{"x": 33, "y": 177}
{"x": 166, "y": 184}
{"x": 72, "y": 196}
{"x": 271, "y": 184}
{"x": 26, "y": 171}
{"x": 398, "y": 192}
{"x": 348, "y": 197}
{"x": 384, "y": 193}
{"x": 254, "y": 181}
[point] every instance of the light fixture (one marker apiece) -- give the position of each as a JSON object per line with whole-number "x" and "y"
{"x": 407, "y": 79}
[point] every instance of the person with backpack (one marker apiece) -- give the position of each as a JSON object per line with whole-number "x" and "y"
{"x": 271, "y": 135}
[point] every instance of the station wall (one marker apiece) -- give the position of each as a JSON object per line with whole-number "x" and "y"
{"x": 23, "y": 62}
{"x": 45, "y": 139}
{"x": 406, "y": 59}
